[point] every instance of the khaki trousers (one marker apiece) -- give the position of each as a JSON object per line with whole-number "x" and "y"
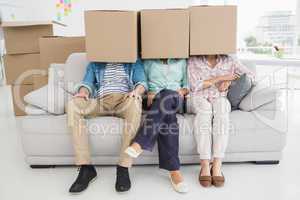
{"x": 119, "y": 105}
{"x": 211, "y": 125}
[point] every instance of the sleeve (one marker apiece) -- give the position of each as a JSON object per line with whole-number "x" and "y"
{"x": 195, "y": 83}
{"x": 88, "y": 80}
{"x": 139, "y": 77}
{"x": 185, "y": 83}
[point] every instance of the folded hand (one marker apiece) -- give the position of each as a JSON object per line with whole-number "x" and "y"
{"x": 224, "y": 86}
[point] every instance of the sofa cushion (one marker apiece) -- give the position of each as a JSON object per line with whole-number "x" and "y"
{"x": 38, "y": 98}
{"x": 32, "y": 110}
{"x": 49, "y": 99}
{"x": 74, "y": 71}
{"x": 41, "y": 138}
{"x": 261, "y": 94}
{"x": 238, "y": 90}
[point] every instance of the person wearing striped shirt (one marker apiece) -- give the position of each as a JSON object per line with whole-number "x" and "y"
{"x": 108, "y": 89}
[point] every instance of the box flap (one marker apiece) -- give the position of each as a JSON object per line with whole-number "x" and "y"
{"x": 164, "y": 9}
{"x": 110, "y": 11}
{"x": 212, "y": 6}
{"x": 29, "y": 23}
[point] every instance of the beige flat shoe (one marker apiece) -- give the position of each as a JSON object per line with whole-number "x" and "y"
{"x": 132, "y": 152}
{"x": 181, "y": 187}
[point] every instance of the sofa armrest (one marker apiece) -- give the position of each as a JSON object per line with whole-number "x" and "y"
{"x": 271, "y": 109}
{"x": 259, "y": 95}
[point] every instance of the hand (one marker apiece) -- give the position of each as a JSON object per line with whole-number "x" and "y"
{"x": 230, "y": 77}
{"x": 182, "y": 92}
{"x": 224, "y": 86}
{"x": 150, "y": 98}
{"x": 83, "y": 93}
{"x": 135, "y": 94}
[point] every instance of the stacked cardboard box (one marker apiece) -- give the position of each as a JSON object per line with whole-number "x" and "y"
{"x": 55, "y": 49}
{"x": 23, "y": 56}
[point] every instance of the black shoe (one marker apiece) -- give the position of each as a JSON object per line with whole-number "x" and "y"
{"x": 123, "y": 183}
{"x": 87, "y": 173}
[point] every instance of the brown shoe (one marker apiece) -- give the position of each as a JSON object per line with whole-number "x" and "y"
{"x": 205, "y": 181}
{"x": 218, "y": 181}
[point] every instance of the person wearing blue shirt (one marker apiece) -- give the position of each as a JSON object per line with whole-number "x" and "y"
{"x": 167, "y": 82}
{"x": 107, "y": 89}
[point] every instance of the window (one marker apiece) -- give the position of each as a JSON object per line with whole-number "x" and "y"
{"x": 269, "y": 28}
{"x": 266, "y": 28}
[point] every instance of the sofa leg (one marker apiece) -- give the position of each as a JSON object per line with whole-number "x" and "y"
{"x": 42, "y": 166}
{"x": 267, "y": 162}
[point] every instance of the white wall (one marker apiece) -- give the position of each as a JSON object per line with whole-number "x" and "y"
{"x": 46, "y": 10}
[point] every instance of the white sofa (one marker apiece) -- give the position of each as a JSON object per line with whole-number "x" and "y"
{"x": 258, "y": 132}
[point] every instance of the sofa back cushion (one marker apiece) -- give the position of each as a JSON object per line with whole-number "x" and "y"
{"x": 238, "y": 90}
{"x": 250, "y": 65}
{"x": 75, "y": 68}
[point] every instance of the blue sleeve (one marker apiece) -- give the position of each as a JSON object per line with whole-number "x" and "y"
{"x": 139, "y": 77}
{"x": 88, "y": 80}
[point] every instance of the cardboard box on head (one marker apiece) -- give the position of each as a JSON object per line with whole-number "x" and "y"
{"x": 165, "y": 33}
{"x": 23, "y": 37}
{"x": 111, "y": 36}
{"x": 213, "y": 30}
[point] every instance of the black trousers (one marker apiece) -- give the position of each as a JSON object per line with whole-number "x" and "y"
{"x": 161, "y": 125}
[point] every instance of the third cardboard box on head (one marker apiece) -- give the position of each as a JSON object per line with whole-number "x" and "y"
{"x": 213, "y": 30}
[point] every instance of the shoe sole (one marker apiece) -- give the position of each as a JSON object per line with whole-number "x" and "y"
{"x": 79, "y": 193}
{"x": 125, "y": 192}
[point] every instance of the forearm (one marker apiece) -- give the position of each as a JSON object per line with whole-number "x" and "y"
{"x": 210, "y": 82}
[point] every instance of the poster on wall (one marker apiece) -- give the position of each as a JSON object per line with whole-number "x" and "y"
{"x": 64, "y": 8}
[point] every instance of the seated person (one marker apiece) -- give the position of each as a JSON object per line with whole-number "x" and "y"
{"x": 167, "y": 83}
{"x": 108, "y": 89}
{"x": 209, "y": 80}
